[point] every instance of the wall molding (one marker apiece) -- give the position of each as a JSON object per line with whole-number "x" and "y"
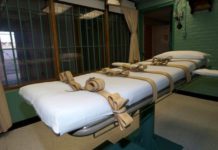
{"x": 100, "y": 4}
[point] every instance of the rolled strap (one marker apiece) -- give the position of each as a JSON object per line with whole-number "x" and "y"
{"x": 134, "y": 67}
{"x": 110, "y": 72}
{"x": 161, "y": 61}
{"x": 94, "y": 84}
{"x": 170, "y": 59}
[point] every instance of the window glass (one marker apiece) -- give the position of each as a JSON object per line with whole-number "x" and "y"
{"x": 81, "y": 39}
{"x": 26, "y": 51}
{"x": 25, "y": 48}
{"x": 119, "y": 38}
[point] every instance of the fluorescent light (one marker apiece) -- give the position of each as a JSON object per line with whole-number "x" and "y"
{"x": 59, "y": 8}
{"x": 113, "y": 2}
{"x": 91, "y": 15}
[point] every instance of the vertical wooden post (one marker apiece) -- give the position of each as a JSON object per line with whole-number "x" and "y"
{"x": 53, "y": 24}
{"x": 106, "y": 29}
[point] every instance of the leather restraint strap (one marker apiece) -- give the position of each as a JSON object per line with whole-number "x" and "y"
{"x": 151, "y": 82}
{"x": 117, "y": 103}
{"x": 184, "y": 68}
{"x": 188, "y": 60}
{"x": 142, "y": 68}
{"x": 164, "y": 62}
{"x": 125, "y": 73}
{"x": 111, "y": 72}
{"x": 134, "y": 67}
{"x": 67, "y": 77}
{"x": 171, "y": 82}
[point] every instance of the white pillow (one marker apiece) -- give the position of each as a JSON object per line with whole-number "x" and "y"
{"x": 183, "y": 55}
{"x": 206, "y": 72}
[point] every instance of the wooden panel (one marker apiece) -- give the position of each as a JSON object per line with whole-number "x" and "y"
{"x": 147, "y": 41}
{"x": 106, "y": 28}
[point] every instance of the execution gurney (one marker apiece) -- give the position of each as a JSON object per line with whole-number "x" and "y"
{"x": 83, "y": 113}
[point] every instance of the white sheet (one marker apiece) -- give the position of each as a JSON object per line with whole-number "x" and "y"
{"x": 66, "y": 111}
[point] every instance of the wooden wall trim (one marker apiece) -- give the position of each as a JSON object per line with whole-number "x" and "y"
{"x": 54, "y": 33}
{"x": 107, "y": 38}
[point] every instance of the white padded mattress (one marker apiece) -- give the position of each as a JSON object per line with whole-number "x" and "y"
{"x": 64, "y": 110}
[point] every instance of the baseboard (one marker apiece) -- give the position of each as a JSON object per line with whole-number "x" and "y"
{"x": 198, "y": 95}
{"x": 24, "y": 123}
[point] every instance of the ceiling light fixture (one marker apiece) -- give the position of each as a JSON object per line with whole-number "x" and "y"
{"x": 113, "y": 2}
{"x": 91, "y": 15}
{"x": 59, "y": 8}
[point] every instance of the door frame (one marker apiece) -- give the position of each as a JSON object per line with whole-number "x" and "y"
{"x": 141, "y": 25}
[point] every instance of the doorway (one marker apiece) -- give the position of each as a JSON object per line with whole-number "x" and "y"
{"x": 157, "y": 31}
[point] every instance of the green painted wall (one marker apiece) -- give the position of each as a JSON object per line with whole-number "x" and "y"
{"x": 201, "y": 33}
{"x": 19, "y": 109}
{"x": 201, "y": 29}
